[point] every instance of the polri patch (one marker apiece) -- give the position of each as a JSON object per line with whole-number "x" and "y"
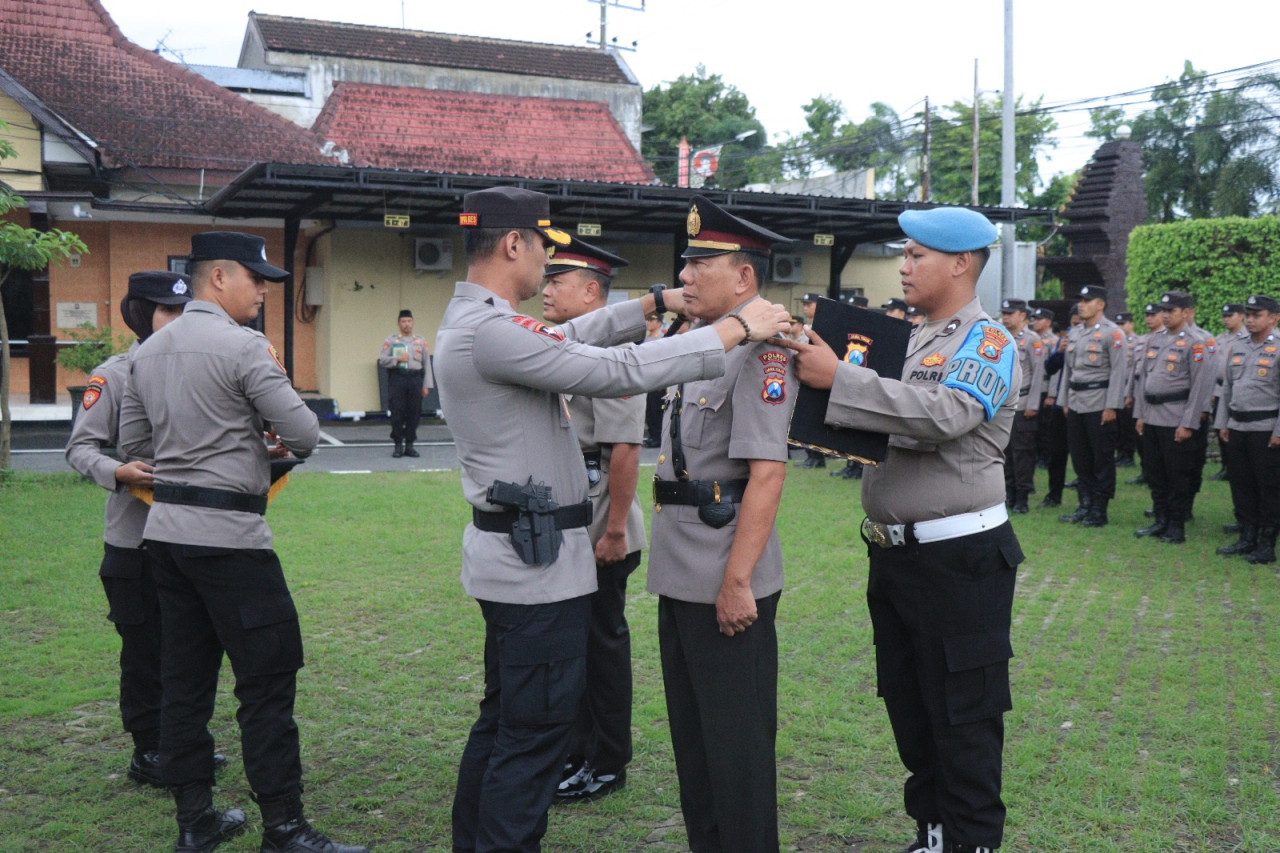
{"x": 775, "y": 377}
{"x": 275, "y": 356}
{"x": 91, "y": 395}
{"x": 935, "y": 360}
{"x": 535, "y": 326}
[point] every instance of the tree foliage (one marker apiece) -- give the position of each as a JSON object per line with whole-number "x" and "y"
{"x": 951, "y": 150}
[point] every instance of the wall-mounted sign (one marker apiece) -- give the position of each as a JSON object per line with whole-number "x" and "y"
{"x": 588, "y": 229}
{"x": 73, "y": 315}
{"x": 395, "y": 220}
{"x": 824, "y": 239}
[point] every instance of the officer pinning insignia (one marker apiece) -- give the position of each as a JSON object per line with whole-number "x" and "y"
{"x": 511, "y": 208}
{"x": 579, "y": 254}
{"x": 775, "y": 377}
{"x": 712, "y": 230}
{"x": 536, "y": 326}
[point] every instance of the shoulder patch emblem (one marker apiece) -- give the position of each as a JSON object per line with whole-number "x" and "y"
{"x": 91, "y": 395}
{"x": 1117, "y": 339}
{"x": 856, "y": 352}
{"x": 1037, "y": 347}
{"x": 775, "y": 377}
{"x": 1197, "y": 352}
{"x": 534, "y": 326}
{"x": 935, "y": 360}
{"x": 983, "y": 367}
{"x": 271, "y": 349}
{"x": 993, "y": 342}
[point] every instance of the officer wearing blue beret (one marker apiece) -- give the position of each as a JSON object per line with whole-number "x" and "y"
{"x": 941, "y": 548}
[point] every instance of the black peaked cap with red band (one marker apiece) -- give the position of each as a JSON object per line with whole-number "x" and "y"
{"x": 714, "y": 231}
{"x": 584, "y": 256}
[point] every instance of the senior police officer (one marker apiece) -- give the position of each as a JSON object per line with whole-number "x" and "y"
{"x": 1248, "y": 422}
{"x": 715, "y": 562}
{"x": 201, "y": 393}
{"x": 609, "y": 432}
{"x": 941, "y": 548}
{"x": 409, "y": 381}
{"x": 153, "y": 300}
{"x": 1094, "y": 382}
{"x": 1175, "y": 383}
{"x": 526, "y": 557}
{"x": 1020, "y": 455}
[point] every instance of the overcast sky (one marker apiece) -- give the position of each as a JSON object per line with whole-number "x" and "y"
{"x": 781, "y": 54}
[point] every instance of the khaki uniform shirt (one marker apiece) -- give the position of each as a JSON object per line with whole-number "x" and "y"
{"x": 202, "y": 391}
{"x": 1224, "y": 357}
{"x": 1097, "y": 353}
{"x": 1251, "y": 384}
{"x": 97, "y": 426}
{"x": 945, "y": 457}
{"x": 501, "y": 376}
{"x": 1031, "y": 356}
{"x": 416, "y": 348}
{"x": 1053, "y": 384}
{"x": 600, "y": 423}
{"x": 725, "y": 423}
{"x": 1173, "y": 363}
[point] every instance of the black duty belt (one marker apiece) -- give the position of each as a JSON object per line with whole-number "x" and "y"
{"x": 210, "y": 498}
{"x": 1250, "y": 417}
{"x": 1089, "y": 386}
{"x": 1171, "y": 397}
{"x": 567, "y": 518}
{"x": 698, "y": 492}
{"x": 395, "y": 371}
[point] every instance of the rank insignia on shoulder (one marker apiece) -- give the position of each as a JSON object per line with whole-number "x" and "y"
{"x": 275, "y": 356}
{"x": 540, "y": 328}
{"x": 935, "y": 360}
{"x": 775, "y": 377}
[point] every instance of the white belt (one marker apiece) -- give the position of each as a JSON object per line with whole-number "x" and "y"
{"x": 937, "y": 530}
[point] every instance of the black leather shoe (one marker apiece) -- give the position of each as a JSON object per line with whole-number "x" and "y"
{"x": 1174, "y": 534}
{"x": 201, "y": 827}
{"x": 410, "y": 452}
{"x": 1124, "y": 461}
{"x": 1149, "y": 513}
{"x": 144, "y": 767}
{"x": 1020, "y": 505}
{"x": 814, "y": 462}
{"x": 928, "y": 839}
{"x": 1049, "y": 502}
{"x": 588, "y": 785}
{"x": 286, "y": 830}
{"x": 1157, "y": 529}
{"x": 1233, "y": 527}
{"x": 1096, "y": 516}
{"x": 398, "y": 451}
{"x": 1139, "y": 480}
{"x": 1245, "y": 544}
{"x": 1075, "y": 517}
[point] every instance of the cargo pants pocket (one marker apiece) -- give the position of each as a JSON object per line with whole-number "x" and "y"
{"x": 121, "y": 574}
{"x": 977, "y": 680}
{"x": 542, "y": 677}
{"x": 272, "y": 638}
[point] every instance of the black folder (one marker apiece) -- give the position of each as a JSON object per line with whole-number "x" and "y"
{"x": 859, "y": 336}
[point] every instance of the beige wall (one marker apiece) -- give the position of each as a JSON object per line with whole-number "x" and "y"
{"x": 23, "y": 172}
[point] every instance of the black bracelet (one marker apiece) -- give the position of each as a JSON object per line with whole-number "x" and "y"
{"x": 735, "y": 315}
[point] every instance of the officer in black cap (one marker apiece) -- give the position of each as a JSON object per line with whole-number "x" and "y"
{"x": 1234, "y": 330}
{"x": 1020, "y": 454}
{"x": 201, "y": 393}
{"x": 914, "y": 315}
{"x": 1051, "y": 435}
{"x": 895, "y": 308}
{"x": 1126, "y": 433}
{"x": 409, "y": 380}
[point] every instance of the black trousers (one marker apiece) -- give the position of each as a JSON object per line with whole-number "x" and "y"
{"x": 941, "y": 614}
{"x": 1126, "y": 433}
{"x": 722, "y": 706}
{"x": 602, "y": 733}
{"x": 1169, "y": 467}
{"x": 404, "y": 397}
{"x": 1020, "y": 455}
{"x": 1053, "y": 429}
{"x": 534, "y": 674}
{"x": 1254, "y": 471}
{"x": 216, "y": 600}
{"x": 1201, "y": 442}
{"x": 653, "y": 415}
{"x": 1093, "y": 453}
{"x": 135, "y": 611}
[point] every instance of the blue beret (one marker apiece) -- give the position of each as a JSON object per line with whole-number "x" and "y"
{"x": 948, "y": 229}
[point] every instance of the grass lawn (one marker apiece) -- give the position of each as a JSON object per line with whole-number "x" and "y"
{"x": 1144, "y": 684}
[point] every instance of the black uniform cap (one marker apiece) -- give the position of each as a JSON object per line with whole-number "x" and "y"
{"x": 1010, "y": 305}
{"x": 796, "y": 318}
{"x": 162, "y": 288}
{"x": 714, "y": 231}
{"x": 1092, "y": 291}
{"x": 1232, "y": 308}
{"x": 895, "y": 305}
{"x": 913, "y": 311}
{"x": 1177, "y": 299}
{"x": 1152, "y": 308}
{"x": 405, "y": 312}
{"x": 511, "y": 207}
{"x": 1043, "y": 314}
{"x": 1262, "y": 302}
{"x": 811, "y": 297}
{"x": 245, "y": 249}
{"x": 1123, "y": 317}
{"x": 860, "y": 301}
{"x": 579, "y": 255}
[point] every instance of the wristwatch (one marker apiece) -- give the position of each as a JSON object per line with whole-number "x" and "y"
{"x": 659, "y": 307}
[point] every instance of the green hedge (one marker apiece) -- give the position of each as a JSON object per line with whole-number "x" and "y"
{"x": 1219, "y": 260}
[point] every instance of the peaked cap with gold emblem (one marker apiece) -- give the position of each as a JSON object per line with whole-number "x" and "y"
{"x": 580, "y": 255}
{"x": 714, "y": 231}
{"x": 511, "y": 207}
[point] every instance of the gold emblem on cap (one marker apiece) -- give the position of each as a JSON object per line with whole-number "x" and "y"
{"x": 560, "y": 238}
{"x": 694, "y": 223}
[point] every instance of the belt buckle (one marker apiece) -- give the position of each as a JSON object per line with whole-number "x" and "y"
{"x": 876, "y": 533}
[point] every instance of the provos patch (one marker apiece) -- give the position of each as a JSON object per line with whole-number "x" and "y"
{"x": 534, "y": 326}
{"x": 775, "y": 377}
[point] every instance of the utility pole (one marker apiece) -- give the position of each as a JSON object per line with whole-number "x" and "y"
{"x": 604, "y": 22}
{"x": 1007, "y": 132}
{"x": 975, "y": 132}
{"x": 924, "y": 159}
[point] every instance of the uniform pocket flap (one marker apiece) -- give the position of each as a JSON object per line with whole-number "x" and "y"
{"x": 269, "y": 612}
{"x": 547, "y": 648}
{"x": 971, "y": 651}
{"x": 1012, "y": 552}
{"x": 711, "y": 398}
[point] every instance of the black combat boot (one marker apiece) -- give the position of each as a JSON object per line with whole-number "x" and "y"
{"x": 1157, "y": 529}
{"x": 1233, "y": 527}
{"x": 1020, "y": 504}
{"x": 969, "y": 848}
{"x": 1174, "y": 532}
{"x": 285, "y": 829}
{"x": 1086, "y": 501}
{"x": 399, "y": 450}
{"x": 1097, "y": 514}
{"x": 410, "y": 452}
{"x": 201, "y": 827}
{"x": 1140, "y": 480}
{"x": 1247, "y": 542}
{"x": 928, "y": 839}
{"x": 1265, "y": 551}
{"x": 1050, "y": 500}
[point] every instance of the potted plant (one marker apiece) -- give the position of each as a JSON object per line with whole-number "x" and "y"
{"x": 93, "y": 345}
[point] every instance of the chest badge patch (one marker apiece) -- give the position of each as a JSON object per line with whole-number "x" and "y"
{"x": 856, "y": 352}
{"x": 1262, "y": 371}
{"x": 935, "y": 360}
{"x": 1269, "y": 349}
{"x": 540, "y": 328}
{"x": 775, "y": 377}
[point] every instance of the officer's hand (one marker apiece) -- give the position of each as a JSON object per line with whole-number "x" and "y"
{"x": 611, "y": 548}
{"x": 1137, "y": 426}
{"x": 1128, "y": 402}
{"x": 135, "y": 474}
{"x": 735, "y": 609}
{"x": 1048, "y": 401}
{"x": 1108, "y": 415}
{"x": 1224, "y": 435}
{"x": 426, "y": 392}
{"x": 277, "y": 450}
{"x": 1031, "y": 413}
{"x": 1181, "y": 434}
{"x": 815, "y": 361}
{"x": 674, "y": 300}
{"x": 1274, "y": 442}
{"x": 765, "y": 319}
{"x": 402, "y": 357}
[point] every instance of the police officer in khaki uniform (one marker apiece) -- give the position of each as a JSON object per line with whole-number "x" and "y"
{"x": 409, "y": 381}
{"x": 201, "y": 392}
{"x": 1126, "y": 428}
{"x": 1248, "y": 422}
{"x": 941, "y": 548}
{"x": 1155, "y": 322}
{"x": 1175, "y": 384}
{"x": 715, "y": 562}
{"x": 527, "y": 557}
{"x": 1233, "y": 331}
{"x": 1020, "y": 455}
{"x": 609, "y": 432}
{"x": 153, "y": 300}
{"x": 1094, "y": 382}
{"x": 1051, "y": 438}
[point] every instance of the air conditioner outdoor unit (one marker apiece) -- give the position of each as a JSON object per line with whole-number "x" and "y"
{"x": 788, "y": 269}
{"x": 432, "y": 253}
